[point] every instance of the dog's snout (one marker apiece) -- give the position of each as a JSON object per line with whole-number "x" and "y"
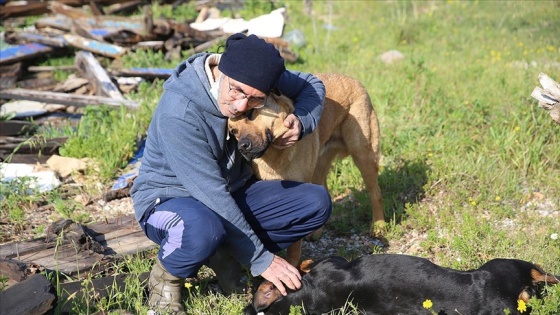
{"x": 244, "y": 145}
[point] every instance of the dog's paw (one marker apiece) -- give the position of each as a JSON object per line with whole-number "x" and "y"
{"x": 378, "y": 229}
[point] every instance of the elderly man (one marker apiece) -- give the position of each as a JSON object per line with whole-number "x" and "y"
{"x": 197, "y": 197}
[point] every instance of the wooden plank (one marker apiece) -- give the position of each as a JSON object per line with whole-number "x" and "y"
{"x": 15, "y": 127}
{"x": 126, "y": 221}
{"x": 53, "y": 41}
{"x": 115, "y": 23}
{"x": 50, "y": 68}
{"x": 94, "y": 46}
{"x": 30, "y": 145}
{"x": 100, "y": 288}
{"x": 23, "y": 52}
{"x": 122, "y": 236}
{"x": 66, "y": 259}
{"x": 58, "y": 22}
{"x": 65, "y": 99}
{"x": 92, "y": 70}
{"x": 15, "y": 249}
{"x": 149, "y": 73}
{"x": 38, "y": 7}
{"x": 9, "y": 74}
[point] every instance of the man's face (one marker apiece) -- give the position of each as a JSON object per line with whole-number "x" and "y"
{"x": 236, "y": 98}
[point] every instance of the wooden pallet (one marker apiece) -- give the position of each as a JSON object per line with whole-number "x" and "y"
{"x": 121, "y": 236}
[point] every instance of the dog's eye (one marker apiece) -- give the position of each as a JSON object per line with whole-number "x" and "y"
{"x": 233, "y": 131}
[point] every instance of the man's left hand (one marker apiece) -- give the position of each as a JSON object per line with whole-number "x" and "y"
{"x": 291, "y": 136}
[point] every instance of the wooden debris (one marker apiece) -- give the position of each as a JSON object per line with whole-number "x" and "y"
{"x": 548, "y": 96}
{"x": 50, "y": 68}
{"x": 148, "y": 73}
{"x": 63, "y": 98}
{"x": 90, "y": 68}
{"x": 15, "y": 271}
{"x": 119, "y": 237}
{"x": 15, "y": 127}
{"x": 53, "y": 41}
{"x": 9, "y": 74}
{"x": 37, "y": 7}
{"x": 34, "y": 296}
{"x": 23, "y": 52}
{"x": 95, "y": 46}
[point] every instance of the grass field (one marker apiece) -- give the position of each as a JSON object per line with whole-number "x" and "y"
{"x": 470, "y": 166}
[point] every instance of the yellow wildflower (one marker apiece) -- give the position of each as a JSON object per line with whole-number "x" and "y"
{"x": 427, "y": 304}
{"x": 188, "y": 285}
{"x": 521, "y": 306}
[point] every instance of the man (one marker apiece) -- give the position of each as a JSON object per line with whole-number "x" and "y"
{"x": 197, "y": 197}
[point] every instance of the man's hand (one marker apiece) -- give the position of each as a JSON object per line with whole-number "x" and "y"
{"x": 280, "y": 272}
{"x": 291, "y": 136}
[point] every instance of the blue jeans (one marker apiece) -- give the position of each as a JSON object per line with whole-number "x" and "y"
{"x": 280, "y": 213}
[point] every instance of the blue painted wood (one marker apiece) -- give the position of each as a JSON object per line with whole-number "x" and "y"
{"x": 95, "y": 46}
{"x": 22, "y": 52}
{"x": 56, "y": 41}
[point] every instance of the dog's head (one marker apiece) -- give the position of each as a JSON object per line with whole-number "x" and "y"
{"x": 520, "y": 277}
{"x": 258, "y": 128}
{"x": 267, "y": 295}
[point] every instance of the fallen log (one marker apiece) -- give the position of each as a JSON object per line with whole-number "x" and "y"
{"x": 548, "y": 96}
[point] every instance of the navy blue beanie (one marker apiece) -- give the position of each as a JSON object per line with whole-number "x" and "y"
{"x": 252, "y": 61}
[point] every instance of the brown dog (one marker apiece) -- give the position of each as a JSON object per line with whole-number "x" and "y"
{"x": 348, "y": 126}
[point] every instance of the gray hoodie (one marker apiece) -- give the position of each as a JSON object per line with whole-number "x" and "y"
{"x": 188, "y": 152}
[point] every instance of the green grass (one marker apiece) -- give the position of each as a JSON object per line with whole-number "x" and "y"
{"x": 470, "y": 162}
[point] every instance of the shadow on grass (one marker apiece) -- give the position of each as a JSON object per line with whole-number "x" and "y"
{"x": 401, "y": 185}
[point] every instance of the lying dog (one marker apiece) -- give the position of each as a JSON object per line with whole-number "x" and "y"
{"x": 348, "y": 126}
{"x": 401, "y": 284}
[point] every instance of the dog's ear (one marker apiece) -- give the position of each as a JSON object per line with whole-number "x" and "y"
{"x": 539, "y": 275}
{"x": 305, "y": 266}
{"x": 266, "y": 294}
{"x": 276, "y": 91}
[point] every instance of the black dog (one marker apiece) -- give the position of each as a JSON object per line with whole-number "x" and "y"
{"x": 401, "y": 284}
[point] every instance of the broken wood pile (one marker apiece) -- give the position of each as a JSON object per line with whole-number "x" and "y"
{"x": 71, "y": 250}
{"x": 96, "y": 36}
{"x": 548, "y": 96}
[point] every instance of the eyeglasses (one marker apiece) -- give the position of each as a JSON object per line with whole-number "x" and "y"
{"x": 252, "y": 102}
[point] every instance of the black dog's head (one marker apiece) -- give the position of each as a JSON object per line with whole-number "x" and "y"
{"x": 268, "y": 300}
{"x": 520, "y": 277}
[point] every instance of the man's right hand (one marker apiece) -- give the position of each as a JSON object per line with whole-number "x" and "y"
{"x": 281, "y": 273}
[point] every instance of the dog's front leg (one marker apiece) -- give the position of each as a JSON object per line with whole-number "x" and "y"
{"x": 293, "y": 253}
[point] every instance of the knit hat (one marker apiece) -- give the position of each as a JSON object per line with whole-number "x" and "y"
{"x": 252, "y": 61}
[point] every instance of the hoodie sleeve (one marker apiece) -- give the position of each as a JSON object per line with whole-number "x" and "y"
{"x": 184, "y": 140}
{"x": 308, "y": 93}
